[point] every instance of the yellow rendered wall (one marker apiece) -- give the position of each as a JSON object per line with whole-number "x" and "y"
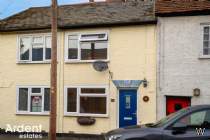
{"x": 132, "y": 56}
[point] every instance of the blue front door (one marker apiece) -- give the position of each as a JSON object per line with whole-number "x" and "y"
{"x": 127, "y": 108}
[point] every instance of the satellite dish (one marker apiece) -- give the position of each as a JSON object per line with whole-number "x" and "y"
{"x": 100, "y": 66}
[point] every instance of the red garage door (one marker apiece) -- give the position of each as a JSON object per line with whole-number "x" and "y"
{"x": 174, "y": 104}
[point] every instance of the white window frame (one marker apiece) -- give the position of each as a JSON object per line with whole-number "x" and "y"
{"x": 101, "y": 39}
{"x": 79, "y": 34}
{"x": 77, "y": 113}
{"x": 202, "y": 56}
{"x": 44, "y": 36}
{"x": 28, "y": 112}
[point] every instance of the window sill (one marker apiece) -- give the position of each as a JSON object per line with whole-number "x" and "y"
{"x": 86, "y": 115}
{"x": 204, "y": 57}
{"x": 33, "y": 113}
{"x": 33, "y": 62}
{"x": 83, "y": 61}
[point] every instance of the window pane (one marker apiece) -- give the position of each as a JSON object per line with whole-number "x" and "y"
{"x": 206, "y": 44}
{"x": 127, "y": 101}
{"x": 48, "y": 41}
{"x": 36, "y": 103}
{"x": 38, "y": 40}
{"x": 206, "y": 30}
{"x": 37, "y": 49}
{"x": 73, "y": 47}
{"x": 93, "y": 36}
{"x": 37, "y": 53}
{"x": 23, "y": 99}
{"x": 72, "y": 100}
{"x": 73, "y": 53}
{"x": 206, "y": 51}
{"x": 47, "y": 99}
{"x": 93, "y": 90}
{"x": 206, "y": 48}
{"x": 47, "y": 53}
{"x": 25, "y": 44}
{"x": 197, "y": 120}
{"x": 101, "y": 50}
{"x": 48, "y": 47}
{"x": 93, "y": 50}
{"x": 207, "y": 120}
{"x": 86, "y": 51}
{"x": 36, "y": 90}
{"x": 206, "y": 37}
{"x": 93, "y": 105}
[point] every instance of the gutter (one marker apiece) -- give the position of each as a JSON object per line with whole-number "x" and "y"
{"x": 153, "y": 21}
{"x": 183, "y": 13}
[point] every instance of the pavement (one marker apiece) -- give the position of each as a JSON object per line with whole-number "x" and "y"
{"x": 8, "y": 137}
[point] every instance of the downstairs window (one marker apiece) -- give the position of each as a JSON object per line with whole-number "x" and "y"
{"x": 33, "y": 100}
{"x": 89, "y": 101}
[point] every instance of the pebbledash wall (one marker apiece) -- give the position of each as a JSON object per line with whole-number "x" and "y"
{"x": 181, "y": 65}
{"x": 132, "y": 56}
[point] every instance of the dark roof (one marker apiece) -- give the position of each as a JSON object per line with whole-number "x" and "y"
{"x": 83, "y": 15}
{"x": 182, "y": 7}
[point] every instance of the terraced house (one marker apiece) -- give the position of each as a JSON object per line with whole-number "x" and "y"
{"x": 106, "y": 66}
{"x": 183, "y": 54}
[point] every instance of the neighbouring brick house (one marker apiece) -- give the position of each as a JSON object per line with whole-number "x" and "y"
{"x": 183, "y": 73}
{"x": 122, "y": 34}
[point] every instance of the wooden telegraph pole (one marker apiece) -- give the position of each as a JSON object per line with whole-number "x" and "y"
{"x": 53, "y": 91}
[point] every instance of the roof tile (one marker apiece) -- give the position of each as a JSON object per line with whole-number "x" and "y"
{"x": 170, "y": 7}
{"x": 80, "y": 15}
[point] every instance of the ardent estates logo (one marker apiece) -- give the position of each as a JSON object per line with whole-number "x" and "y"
{"x": 26, "y": 131}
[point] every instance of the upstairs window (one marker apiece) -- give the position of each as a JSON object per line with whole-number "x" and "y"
{"x": 85, "y": 47}
{"x": 33, "y": 100}
{"x": 206, "y": 40}
{"x": 36, "y": 48}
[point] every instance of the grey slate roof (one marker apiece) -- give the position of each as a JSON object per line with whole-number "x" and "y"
{"x": 83, "y": 15}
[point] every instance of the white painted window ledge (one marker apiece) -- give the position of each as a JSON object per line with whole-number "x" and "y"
{"x": 33, "y": 62}
{"x": 33, "y": 113}
{"x": 204, "y": 57}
